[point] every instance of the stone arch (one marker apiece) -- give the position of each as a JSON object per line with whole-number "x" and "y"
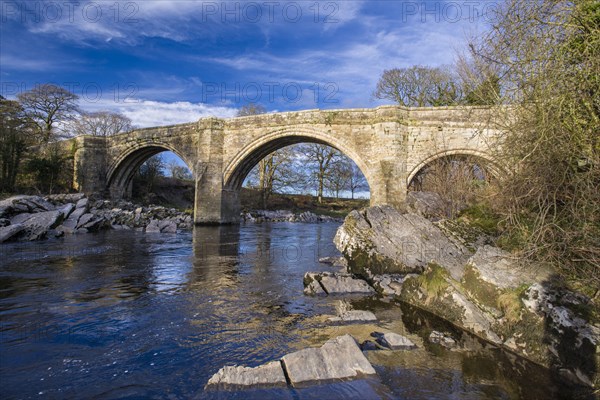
{"x": 122, "y": 170}
{"x": 238, "y": 168}
{"x": 492, "y": 164}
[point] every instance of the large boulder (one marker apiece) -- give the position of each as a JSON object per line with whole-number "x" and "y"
{"x": 490, "y": 293}
{"x": 427, "y": 204}
{"x": 381, "y": 240}
{"x": 37, "y": 225}
{"x": 338, "y": 358}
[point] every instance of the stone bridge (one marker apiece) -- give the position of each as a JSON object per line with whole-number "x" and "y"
{"x": 389, "y": 144}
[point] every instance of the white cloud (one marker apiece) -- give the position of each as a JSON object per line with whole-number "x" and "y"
{"x": 148, "y": 113}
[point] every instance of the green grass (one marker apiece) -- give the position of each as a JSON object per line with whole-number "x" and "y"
{"x": 251, "y": 200}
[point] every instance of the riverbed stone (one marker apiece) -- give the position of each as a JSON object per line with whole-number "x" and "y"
{"x": 389, "y": 284}
{"x": 355, "y": 316}
{"x": 338, "y": 358}
{"x": 442, "y": 339}
{"x": 168, "y": 226}
{"x": 346, "y": 313}
{"x": 38, "y": 224}
{"x": 393, "y": 341}
{"x": 72, "y": 221}
{"x": 336, "y": 283}
{"x": 20, "y": 218}
{"x": 269, "y": 374}
{"x": 9, "y": 232}
{"x": 312, "y": 285}
{"x": 82, "y": 203}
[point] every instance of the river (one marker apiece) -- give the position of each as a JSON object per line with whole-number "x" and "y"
{"x": 123, "y": 314}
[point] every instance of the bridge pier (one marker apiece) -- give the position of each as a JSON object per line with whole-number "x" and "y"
{"x": 89, "y": 164}
{"x": 213, "y": 203}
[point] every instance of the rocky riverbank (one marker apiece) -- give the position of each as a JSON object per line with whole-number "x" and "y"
{"x": 258, "y": 216}
{"x": 27, "y": 218}
{"x": 478, "y": 288}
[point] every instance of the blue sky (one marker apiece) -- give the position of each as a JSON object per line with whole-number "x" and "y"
{"x": 162, "y": 62}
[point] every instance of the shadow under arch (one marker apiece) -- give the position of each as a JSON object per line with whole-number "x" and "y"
{"x": 241, "y": 165}
{"x": 491, "y": 164}
{"x": 121, "y": 172}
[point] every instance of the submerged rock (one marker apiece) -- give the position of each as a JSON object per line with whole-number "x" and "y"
{"x": 442, "y": 339}
{"x": 393, "y": 341}
{"x": 338, "y": 358}
{"x": 345, "y": 313}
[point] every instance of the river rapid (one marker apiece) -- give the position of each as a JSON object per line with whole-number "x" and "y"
{"x": 128, "y": 315}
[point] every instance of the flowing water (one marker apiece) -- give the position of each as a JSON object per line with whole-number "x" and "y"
{"x": 133, "y": 315}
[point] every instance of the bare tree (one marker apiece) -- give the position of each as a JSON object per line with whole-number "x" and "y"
{"x": 319, "y": 159}
{"x": 251, "y": 109}
{"x": 419, "y": 86}
{"x": 101, "y": 123}
{"x": 356, "y": 180}
{"x": 48, "y": 105}
{"x": 178, "y": 171}
{"x": 459, "y": 180}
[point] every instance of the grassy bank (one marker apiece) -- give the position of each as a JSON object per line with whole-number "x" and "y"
{"x": 251, "y": 200}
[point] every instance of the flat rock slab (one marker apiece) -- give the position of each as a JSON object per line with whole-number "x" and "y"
{"x": 338, "y": 358}
{"x": 394, "y": 341}
{"x": 335, "y": 283}
{"x": 343, "y": 283}
{"x": 269, "y": 374}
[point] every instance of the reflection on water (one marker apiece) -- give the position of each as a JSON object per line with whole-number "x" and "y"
{"x": 129, "y": 315}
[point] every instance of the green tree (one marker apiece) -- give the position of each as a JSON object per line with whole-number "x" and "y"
{"x": 15, "y": 136}
{"x": 150, "y": 171}
{"x": 49, "y": 170}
